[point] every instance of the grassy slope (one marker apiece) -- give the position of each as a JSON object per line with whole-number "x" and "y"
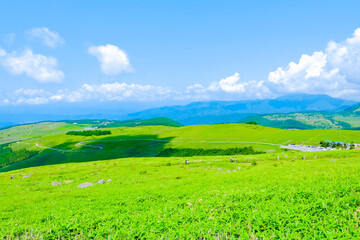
{"x": 307, "y": 120}
{"x": 148, "y": 141}
{"x": 287, "y": 199}
{"x": 36, "y": 130}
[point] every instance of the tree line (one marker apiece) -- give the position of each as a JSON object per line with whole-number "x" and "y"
{"x": 189, "y": 152}
{"x": 89, "y": 133}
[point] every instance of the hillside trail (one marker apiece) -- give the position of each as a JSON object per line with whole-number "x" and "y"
{"x": 79, "y": 144}
{"x": 56, "y": 149}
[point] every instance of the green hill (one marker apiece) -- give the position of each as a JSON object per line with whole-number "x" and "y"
{"x": 149, "y": 141}
{"x": 353, "y": 109}
{"x": 308, "y": 120}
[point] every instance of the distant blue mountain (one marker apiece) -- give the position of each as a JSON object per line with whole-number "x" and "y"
{"x": 232, "y": 111}
{"x": 210, "y": 112}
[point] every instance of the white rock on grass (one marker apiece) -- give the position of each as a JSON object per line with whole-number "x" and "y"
{"x": 56, "y": 183}
{"x": 102, "y": 181}
{"x": 109, "y": 180}
{"x": 239, "y": 168}
{"x": 220, "y": 169}
{"x": 27, "y": 176}
{"x": 84, "y": 185}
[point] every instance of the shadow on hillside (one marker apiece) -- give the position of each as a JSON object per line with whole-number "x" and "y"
{"x": 94, "y": 150}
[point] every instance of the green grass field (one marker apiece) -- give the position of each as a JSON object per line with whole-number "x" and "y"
{"x": 162, "y": 198}
{"x": 148, "y": 141}
{"x": 149, "y": 197}
{"x": 36, "y": 130}
{"x": 307, "y": 120}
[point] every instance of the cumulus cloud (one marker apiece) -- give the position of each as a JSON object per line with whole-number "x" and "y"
{"x": 310, "y": 74}
{"x": 229, "y": 88}
{"x": 37, "y": 66}
{"x": 345, "y": 57}
{"x": 112, "y": 59}
{"x": 232, "y": 84}
{"x": 47, "y": 37}
{"x": 334, "y": 71}
{"x": 102, "y": 92}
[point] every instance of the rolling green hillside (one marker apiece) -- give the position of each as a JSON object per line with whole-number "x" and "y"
{"x": 210, "y": 198}
{"x": 309, "y": 120}
{"x": 35, "y": 130}
{"x": 149, "y": 141}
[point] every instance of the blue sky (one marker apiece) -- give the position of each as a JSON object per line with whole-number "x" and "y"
{"x": 167, "y": 52}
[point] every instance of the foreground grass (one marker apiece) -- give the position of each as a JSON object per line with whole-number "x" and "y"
{"x": 318, "y": 197}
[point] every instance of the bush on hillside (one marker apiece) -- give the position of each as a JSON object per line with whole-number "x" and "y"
{"x": 89, "y": 133}
{"x": 189, "y": 152}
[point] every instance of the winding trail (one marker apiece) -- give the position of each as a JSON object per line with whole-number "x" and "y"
{"x": 56, "y": 149}
{"x": 81, "y": 144}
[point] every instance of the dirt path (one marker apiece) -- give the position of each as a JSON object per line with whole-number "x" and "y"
{"x": 79, "y": 144}
{"x": 56, "y": 149}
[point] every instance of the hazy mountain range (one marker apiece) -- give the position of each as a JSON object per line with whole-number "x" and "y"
{"x": 232, "y": 111}
{"x": 209, "y": 112}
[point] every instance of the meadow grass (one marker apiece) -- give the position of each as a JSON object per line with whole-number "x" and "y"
{"x": 149, "y": 141}
{"x": 27, "y": 131}
{"x": 315, "y": 198}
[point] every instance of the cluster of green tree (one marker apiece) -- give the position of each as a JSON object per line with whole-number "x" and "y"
{"x": 252, "y": 123}
{"x": 321, "y": 120}
{"x": 335, "y": 145}
{"x": 189, "y": 152}
{"x": 9, "y": 156}
{"x": 89, "y": 133}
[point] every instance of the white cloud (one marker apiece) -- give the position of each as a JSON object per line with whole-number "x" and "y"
{"x": 103, "y": 92}
{"x": 29, "y": 92}
{"x": 123, "y": 91}
{"x": 47, "y": 37}
{"x": 40, "y": 67}
{"x": 345, "y": 56}
{"x": 232, "y": 84}
{"x": 309, "y": 75}
{"x": 231, "y": 88}
{"x": 32, "y": 101}
{"x": 112, "y": 59}
{"x": 334, "y": 71}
